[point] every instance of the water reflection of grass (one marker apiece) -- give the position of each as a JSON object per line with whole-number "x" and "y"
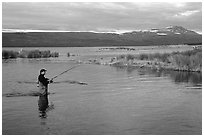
{"x": 6, "y": 54}
{"x": 191, "y": 77}
{"x": 176, "y": 76}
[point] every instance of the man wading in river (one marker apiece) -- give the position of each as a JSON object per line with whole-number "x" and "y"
{"x": 43, "y": 89}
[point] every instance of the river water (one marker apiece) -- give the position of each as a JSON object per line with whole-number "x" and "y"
{"x": 113, "y": 100}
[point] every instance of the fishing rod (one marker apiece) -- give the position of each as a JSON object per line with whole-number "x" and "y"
{"x": 64, "y": 72}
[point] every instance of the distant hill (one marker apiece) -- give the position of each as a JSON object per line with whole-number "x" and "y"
{"x": 166, "y": 36}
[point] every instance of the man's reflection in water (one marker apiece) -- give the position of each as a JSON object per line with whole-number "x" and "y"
{"x": 43, "y": 105}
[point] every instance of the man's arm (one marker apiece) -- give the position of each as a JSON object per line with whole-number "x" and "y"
{"x": 49, "y": 81}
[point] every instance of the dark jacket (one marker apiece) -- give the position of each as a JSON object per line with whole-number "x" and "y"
{"x": 43, "y": 84}
{"x": 43, "y": 80}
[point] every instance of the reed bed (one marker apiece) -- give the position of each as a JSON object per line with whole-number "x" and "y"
{"x": 6, "y": 54}
{"x": 187, "y": 60}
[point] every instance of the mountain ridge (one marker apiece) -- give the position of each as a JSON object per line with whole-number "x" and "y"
{"x": 172, "y": 28}
{"x": 165, "y": 36}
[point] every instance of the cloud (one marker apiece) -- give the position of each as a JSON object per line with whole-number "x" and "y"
{"x": 100, "y": 16}
{"x": 187, "y": 13}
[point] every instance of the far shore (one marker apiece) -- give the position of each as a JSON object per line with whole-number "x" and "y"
{"x": 189, "y": 60}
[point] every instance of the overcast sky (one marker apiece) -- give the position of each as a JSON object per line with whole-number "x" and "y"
{"x": 101, "y": 17}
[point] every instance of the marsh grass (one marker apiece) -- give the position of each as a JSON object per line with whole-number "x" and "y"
{"x": 186, "y": 60}
{"x": 6, "y": 54}
{"x": 54, "y": 54}
{"x": 192, "y": 61}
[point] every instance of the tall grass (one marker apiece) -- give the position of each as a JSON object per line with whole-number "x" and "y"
{"x": 159, "y": 56}
{"x": 186, "y": 60}
{"x": 54, "y": 54}
{"x": 6, "y": 54}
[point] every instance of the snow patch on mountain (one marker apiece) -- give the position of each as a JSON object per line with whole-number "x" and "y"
{"x": 161, "y": 34}
{"x": 155, "y": 30}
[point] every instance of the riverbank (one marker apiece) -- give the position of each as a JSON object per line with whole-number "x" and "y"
{"x": 190, "y": 61}
{"x": 7, "y": 54}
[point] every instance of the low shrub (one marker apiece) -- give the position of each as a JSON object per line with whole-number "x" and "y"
{"x": 34, "y": 54}
{"x": 121, "y": 57}
{"x": 130, "y": 57}
{"x": 55, "y": 54}
{"x": 6, "y": 54}
{"x": 28, "y": 54}
{"x": 143, "y": 56}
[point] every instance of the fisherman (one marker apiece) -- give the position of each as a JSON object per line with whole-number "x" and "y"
{"x": 43, "y": 89}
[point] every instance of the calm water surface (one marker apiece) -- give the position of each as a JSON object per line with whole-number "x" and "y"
{"x": 115, "y": 101}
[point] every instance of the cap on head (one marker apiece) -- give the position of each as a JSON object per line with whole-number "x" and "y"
{"x": 43, "y": 70}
